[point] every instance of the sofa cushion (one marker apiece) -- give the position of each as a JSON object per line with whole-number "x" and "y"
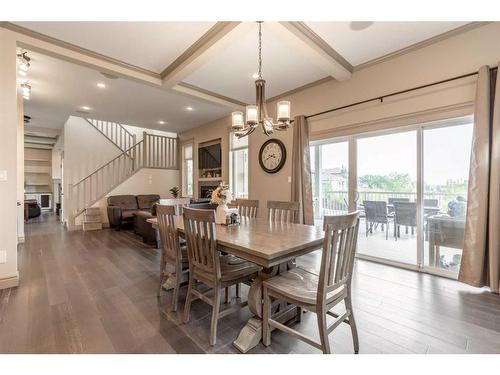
{"x": 128, "y": 214}
{"x": 146, "y": 201}
{"x": 127, "y": 202}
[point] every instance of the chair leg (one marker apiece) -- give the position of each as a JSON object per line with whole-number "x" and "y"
{"x": 387, "y": 231}
{"x": 299, "y": 312}
{"x": 266, "y": 331}
{"x": 238, "y": 290}
{"x": 162, "y": 276}
{"x": 177, "y": 286}
{"x": 323, "y": 333}
{"x": 189, "y": 298}
{"x": 352, "y": 323}
{"x": 215, "y": 315}
{"x": 226, "y": 291}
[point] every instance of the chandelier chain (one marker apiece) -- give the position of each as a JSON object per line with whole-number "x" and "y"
{"x": 260, "y": 49}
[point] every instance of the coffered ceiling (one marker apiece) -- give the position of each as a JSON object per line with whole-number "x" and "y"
{"x": 149, "y": 45}
{"x": 204, "y": 65}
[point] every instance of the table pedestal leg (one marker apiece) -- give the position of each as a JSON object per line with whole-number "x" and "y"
{"x": 251, "y": 334}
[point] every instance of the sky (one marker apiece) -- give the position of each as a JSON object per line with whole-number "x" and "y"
{"x": 446, "y": 154}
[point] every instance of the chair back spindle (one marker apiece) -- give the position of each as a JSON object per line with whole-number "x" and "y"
{"x": 339, "y": 248}
{"x": 201, "y": 241}
{"x": 248, "y": 207}
{"x": 283, "y": 212}
{"x": 168, "y": 232}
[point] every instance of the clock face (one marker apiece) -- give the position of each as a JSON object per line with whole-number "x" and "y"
{"x": 272, "y": 155}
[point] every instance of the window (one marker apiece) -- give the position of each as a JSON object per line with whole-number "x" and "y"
{"x": 187, "y": 170}
{"x": 238, "y": 166}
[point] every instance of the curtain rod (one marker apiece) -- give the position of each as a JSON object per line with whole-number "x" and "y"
{"x": 381, "y": 98}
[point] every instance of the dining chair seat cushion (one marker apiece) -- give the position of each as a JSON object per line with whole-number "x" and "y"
{"x": 301, "y": 285}
{"x": 232, "y": 268}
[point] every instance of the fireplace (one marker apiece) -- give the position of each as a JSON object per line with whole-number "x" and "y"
{"x": 206, "y": 188}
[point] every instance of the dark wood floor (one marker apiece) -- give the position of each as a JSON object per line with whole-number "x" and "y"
{"x": 95, "y": 292}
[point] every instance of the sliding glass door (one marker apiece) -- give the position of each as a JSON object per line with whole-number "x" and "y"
{"x": 410, "y": 187}
{"x": 329, "y": 164}
{"x": 446, "y": 156}
{"x": 387, "y": 191}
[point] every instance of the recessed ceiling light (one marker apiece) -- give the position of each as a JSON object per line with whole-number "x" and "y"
{"x": 189, "y": 108}
{"x": 85, "y": 108}
{"x": 255, "y": 75}
{"x": 101, "y": 85}
{"x": 161, "y": 122}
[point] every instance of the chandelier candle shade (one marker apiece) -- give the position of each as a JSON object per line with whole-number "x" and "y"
{"x": 257, "y": 114}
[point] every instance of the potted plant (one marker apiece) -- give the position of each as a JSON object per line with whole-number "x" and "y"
{"x": 175, "y": 192}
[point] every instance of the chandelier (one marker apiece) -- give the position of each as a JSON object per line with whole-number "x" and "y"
{"x": 257, "y": 114}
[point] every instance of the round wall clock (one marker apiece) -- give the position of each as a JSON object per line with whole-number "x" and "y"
{"x": 272, "y": 155}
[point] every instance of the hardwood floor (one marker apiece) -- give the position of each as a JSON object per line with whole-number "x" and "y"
{"x": 95, "y": 292}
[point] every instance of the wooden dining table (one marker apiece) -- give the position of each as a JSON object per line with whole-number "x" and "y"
{"x": 271, "y": 245}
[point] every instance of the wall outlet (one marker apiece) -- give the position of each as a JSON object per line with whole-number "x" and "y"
{"x": 3, "y": 175}
{"x": 3, "y": 256}
{"x": 289, "y": 179}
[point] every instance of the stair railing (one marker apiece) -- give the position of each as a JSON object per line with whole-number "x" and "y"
{"x": 114, "y": 132}
{"x": 153, "y": 151}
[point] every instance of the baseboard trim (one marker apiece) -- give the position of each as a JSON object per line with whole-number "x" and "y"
{"x": 9, "y": 282}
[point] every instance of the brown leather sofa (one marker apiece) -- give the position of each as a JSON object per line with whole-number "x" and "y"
{"x": 122, "y": 209}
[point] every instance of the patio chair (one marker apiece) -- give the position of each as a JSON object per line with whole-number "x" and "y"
{"x": 375, "y": 214}
{"x": 405, "y": 213}
{"x": 392, "y": 200}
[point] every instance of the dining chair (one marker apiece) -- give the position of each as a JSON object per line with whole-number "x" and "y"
{"x": 172, "y": 252}
{"x": 179, "y": 203}
{"x": 375, "y": 214}
{"x": 405, "y": 213}
{"x": 319, "y": 293}
{"x": 248, "y": 207}
{"x": 209, "y": 267}
{"x": 284, "y": 212}
{"x": 430, "y": 202}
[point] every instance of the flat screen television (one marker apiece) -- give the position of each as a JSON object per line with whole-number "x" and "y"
{"x": 210, "y": 156}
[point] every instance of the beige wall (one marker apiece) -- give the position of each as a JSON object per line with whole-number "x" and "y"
{"x": 8, "y": 161}
{"x": 460, "y": 54}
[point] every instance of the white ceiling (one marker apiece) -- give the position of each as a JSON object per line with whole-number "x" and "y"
{"x": 60, "y": 88}
{"x": 378, "y": 39}
{"x": 149, "y": 45}
{"x": 230, "y": 72}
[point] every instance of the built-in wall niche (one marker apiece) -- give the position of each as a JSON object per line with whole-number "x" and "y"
{"x": 37, "y": 170}
{"x": 210, "y": 161}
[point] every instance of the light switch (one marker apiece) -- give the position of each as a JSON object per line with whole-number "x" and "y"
{"x": 3, "y": 175}
{"x": 289, "y": 179}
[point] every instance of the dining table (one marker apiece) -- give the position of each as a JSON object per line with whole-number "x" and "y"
{"x": 272, "y": 245}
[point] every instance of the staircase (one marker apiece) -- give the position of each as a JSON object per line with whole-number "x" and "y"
{"x": 114, "y": 132}
{"x": 153, "y": 151}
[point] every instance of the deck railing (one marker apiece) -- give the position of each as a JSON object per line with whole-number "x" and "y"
{"x": 334, "y": 202}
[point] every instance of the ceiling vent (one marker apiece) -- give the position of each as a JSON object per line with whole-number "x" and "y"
{"x": 109, "y": 76}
